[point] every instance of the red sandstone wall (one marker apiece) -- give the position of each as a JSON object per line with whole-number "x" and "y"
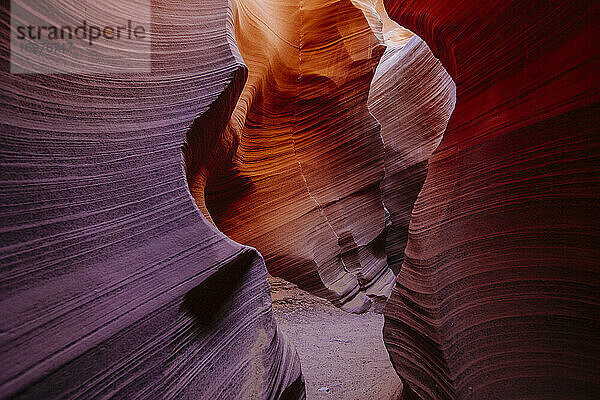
{"x": 498, "y": 294}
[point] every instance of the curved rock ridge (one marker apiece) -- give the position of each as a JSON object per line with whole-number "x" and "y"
{"x": 302, "y": 157}
{"x": 113, "y": 284}
{"x": 497, "y": 297}
{"x": 412, "y": 97}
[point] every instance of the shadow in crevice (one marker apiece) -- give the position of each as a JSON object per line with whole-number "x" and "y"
{"x": 211, "y": 300}
{"x": 208, "y": 145}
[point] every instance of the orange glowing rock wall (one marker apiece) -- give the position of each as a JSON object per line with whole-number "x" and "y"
{"x": 302, "y": 157}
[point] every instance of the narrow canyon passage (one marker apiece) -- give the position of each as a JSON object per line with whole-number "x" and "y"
{"x": 218, "y": 206}
{"x": 283, "y": 176}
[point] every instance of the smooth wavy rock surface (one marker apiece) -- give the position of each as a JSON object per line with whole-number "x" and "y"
{"x": 306, "y": 157}
{"x": 394, "y": 35}
{"x": 412, "y": 97}
{"x": 498, "y": 296}
{"x": 113, "y": 284}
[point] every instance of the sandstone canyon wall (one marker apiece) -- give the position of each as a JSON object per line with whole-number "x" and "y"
{"x": 113, "y": 284}
{"x": 301, "y": 160}
{"x": 412, "y": 96}
{"x": 497, "y": 297}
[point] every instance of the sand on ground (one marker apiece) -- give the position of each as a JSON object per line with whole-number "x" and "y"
{"x": 342, "y": 354}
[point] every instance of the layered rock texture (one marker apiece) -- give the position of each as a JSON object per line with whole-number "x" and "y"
{"x": 113, "y": 284}
{"x": 412, "y": 96}
{"x": 298, "y": 169}
{"x": 312, "y": 142}
{"x": 497, "y": 297}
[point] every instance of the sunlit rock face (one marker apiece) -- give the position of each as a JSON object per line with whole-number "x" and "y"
{"x": 301, "y": 160}
{"x": 394, "y": 35}
{"x": 113, "y": 284}
{"x": 498, "y": 294}
{"x": 412, "y": 96}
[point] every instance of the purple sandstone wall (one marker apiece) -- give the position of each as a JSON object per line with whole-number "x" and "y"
{"x": 112, "y": 283}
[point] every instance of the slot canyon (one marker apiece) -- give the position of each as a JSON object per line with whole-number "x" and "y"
{"x": 290, "y": 199}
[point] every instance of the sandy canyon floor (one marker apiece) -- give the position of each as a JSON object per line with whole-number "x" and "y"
{"x": 342, "y": 354}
